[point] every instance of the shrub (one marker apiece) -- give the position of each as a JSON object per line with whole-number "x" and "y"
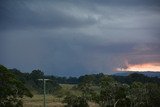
{"x": 74, "y": 101}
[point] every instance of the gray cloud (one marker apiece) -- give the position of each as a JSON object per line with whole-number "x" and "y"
{"x": 78, "y": 37}
{"x": 127, "y": 2}
{"x": 24, "y": 15}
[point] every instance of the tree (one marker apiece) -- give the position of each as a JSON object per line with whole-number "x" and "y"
{"x": 113, "y": 93}
{"x": 36, "y": 74}
{"x": 153, "y": 95}
{"x": 34, "y": 82}
{"x": 107, "y": 91}
{"x": 75, "y": 101}
{"x": 11, "y": 89}
{"x": 86, "y": 86}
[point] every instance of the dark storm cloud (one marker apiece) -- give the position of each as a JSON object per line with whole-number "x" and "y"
{"x": 146, "y": 53}
{"x": 62, "y": 54}
{"x": 128, "y": 2}
{"x": 22, "y": 14}
{"x": 76, "y": 37}
{"x": 53, "y": 14}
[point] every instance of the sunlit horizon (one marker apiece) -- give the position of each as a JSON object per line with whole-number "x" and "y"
{"x": 154, "y": 67}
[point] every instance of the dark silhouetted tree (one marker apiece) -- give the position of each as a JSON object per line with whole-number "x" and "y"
{"x": 11, "y": 89}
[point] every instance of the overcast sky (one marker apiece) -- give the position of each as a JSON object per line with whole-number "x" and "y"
{"x": 76, "y": 37}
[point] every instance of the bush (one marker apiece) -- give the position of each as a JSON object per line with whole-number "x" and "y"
{"x": 74, "y": 101}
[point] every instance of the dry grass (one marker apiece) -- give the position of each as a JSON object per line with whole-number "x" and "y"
{"x": 37, "y": 101}
{"x": 53, "y": 104}
{"x": 51, "y": 101}
{"x": 69, "y": 88}
{"x": 92, "y": 104}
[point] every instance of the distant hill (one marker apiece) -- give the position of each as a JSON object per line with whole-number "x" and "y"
{"x": 148, "y": 73}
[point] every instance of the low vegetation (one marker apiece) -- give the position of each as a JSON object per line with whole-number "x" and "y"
{"x": 97, "y": 90}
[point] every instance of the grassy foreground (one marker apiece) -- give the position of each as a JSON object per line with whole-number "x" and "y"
{"x": 51, "y": 101}
{"x": 37, "y": 101}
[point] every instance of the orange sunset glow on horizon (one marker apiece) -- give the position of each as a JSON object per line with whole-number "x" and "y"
{"x": 155, "y": 67}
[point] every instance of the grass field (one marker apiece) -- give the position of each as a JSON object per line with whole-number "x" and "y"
{"x": 69, "y": 88}
{"x": 37, "y": 101}
{"x": 52, "y": 101}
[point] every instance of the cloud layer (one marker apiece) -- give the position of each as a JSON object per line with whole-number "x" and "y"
{"x": 78, "y": 37}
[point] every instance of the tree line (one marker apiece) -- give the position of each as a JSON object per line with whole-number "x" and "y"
{"x": 135, "y": 90}
{"x": 111, "y": 93}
